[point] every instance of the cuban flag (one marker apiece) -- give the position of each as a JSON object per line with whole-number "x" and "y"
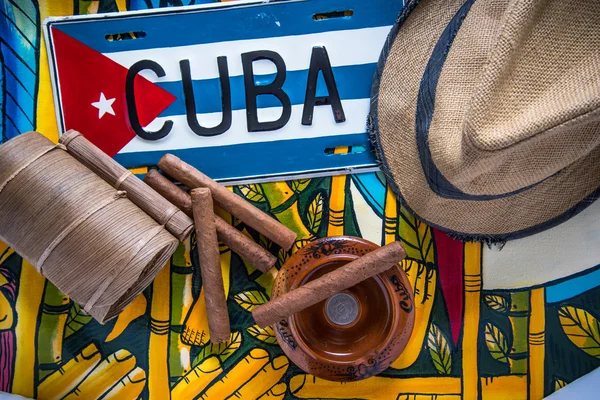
{"x": 240, "y": 90}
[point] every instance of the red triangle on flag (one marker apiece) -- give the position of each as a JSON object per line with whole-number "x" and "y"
{"x": 92, "y": 92}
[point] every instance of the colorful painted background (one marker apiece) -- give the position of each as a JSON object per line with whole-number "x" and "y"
{"x": 514, "y": 323}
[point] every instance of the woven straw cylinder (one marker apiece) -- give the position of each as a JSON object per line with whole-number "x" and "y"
{"x": 86, "y": 237}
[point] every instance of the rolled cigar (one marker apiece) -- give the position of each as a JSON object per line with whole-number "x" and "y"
{"x": 210, "y": 266}
{"x": 143, "y": 196}
{"x": 322, "y": 288}
{"x": 234, "y": 239}
{"x": 229, "y": 201}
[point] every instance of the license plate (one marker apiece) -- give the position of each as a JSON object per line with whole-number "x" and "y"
{"x": 241, "y": 90}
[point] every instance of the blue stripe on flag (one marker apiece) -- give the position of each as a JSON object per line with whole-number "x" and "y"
{"x": 261, "y": 159}
{"x": 353, "y": 82}
{"x": 244, "y": 22}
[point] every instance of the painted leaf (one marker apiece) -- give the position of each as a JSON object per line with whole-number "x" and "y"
{"x": 496, "y": 342}
{"x": 582, "y": 328}
{"x": 439, "y": 350}
{"x": 300, "y": 243}
{"x": 221, "y": 350}
{"x": 559, "y": 384}
{"x": 19, "y": 61}
{"x": 416, "y": 236}
{"x": 315, "y": 213}
{"x": 265, "y": 242}
{"x": 282, "y": 256}
{"x": 299, "y": 185}
{"x": 76, "y": 320}
{"x": 266, "y": 334}
{"x": 250, "y": 299}
{"x": 252, "y": 192}
{"x": 497, "y": 303}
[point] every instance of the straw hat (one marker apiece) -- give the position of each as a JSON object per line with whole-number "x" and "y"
{"x": 486, "y": 113}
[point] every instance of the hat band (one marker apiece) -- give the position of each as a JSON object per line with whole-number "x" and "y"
{"x": 425, "y": 109}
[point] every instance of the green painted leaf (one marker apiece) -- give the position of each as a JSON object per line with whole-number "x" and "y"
{"x": 252, "y": 192}
{"x": 300, "y": 243}
{"x": 76, "y": 320}
{"x": 299, "y": 185}
{"x": 315, "y": 213}
{"x": 559, "y": 384}
{"x": 439, "y": 350}
{"x": 582, "y": 328}
{"x": 282, "y": 256}
{"x": 496, "y": 342}
{"x": 416, "y": 236}
{"x": 250, "y": 299}
{"x": 265, "y": 242}
{"x": 221, "y": 350}
{"x": 266, "y": 335}
{"x": 497, "y": 303}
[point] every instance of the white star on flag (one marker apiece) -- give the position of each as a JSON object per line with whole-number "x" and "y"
{"x": 104, "y": 106}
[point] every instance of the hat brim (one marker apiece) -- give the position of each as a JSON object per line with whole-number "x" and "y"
{"x": 412, "y": 46}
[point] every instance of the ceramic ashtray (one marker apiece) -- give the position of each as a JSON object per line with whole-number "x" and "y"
{"x": 354, "y": 334}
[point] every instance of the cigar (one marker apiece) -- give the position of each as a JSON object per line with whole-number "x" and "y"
{"x": 322, "y": 288}
{"x": 229, "y": 201}
{"x": 210, "y": 266}
{"x": 163, "y": 212}
{"x": 234, "y": 239}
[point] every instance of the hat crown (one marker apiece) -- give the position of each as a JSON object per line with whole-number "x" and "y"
{"x": 542, "y": 78}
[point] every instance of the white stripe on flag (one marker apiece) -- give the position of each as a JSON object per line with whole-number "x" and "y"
{"x": 350, "y": 47}
{"x": 182, "y": 137}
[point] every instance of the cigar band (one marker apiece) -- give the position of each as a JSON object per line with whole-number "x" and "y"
{"x": 121, "y": 179}
{"x": 168, "y": 214}
{"x": 68, "y": 137}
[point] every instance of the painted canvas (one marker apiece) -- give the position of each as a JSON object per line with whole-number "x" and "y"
{"x": 518, "y": 321}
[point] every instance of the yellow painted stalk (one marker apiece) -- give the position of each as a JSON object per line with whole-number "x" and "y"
{"x": 309, "y": 387}
{"x": 275, "y": 393}
{"x": 513, "y": 387}
{"x": 498, "y": 387}
{"x": 196, "y": 381}
{"x": 45, "y": 115}
{"x": 472, "y": 284}
{"x": 27, "y": 308}
{"x": 130, "y": 387}
{"x": 106, "y": 374}
{"x": 518, "y": 316}
{"x": 181, "y": 302}
{"x": 61, "y": 382}
{"x": 122, "y": 5}
{"x": 195, "y": 331}
{"x": 277, "y": 194}
{"x": 55, "y": 311}
{"x": 133, "y": 311}
{"x": 537, "y": 340}
{"x": 390, "y": 217}
{"x": 238, "y": 376}
{"x": 337, "y": 200}
{"x": 158, "y": 359}
{"x": 423, "y": 281}
{"x": 260, "y": 383}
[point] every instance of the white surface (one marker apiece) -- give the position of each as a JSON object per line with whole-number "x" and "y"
{"x": 370, "y": 225}
{"x": 182, "y": 137}
{"x": 586, "y": 387}
{"x": 564, "y": 250}
{"x": 349, "y": 47}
